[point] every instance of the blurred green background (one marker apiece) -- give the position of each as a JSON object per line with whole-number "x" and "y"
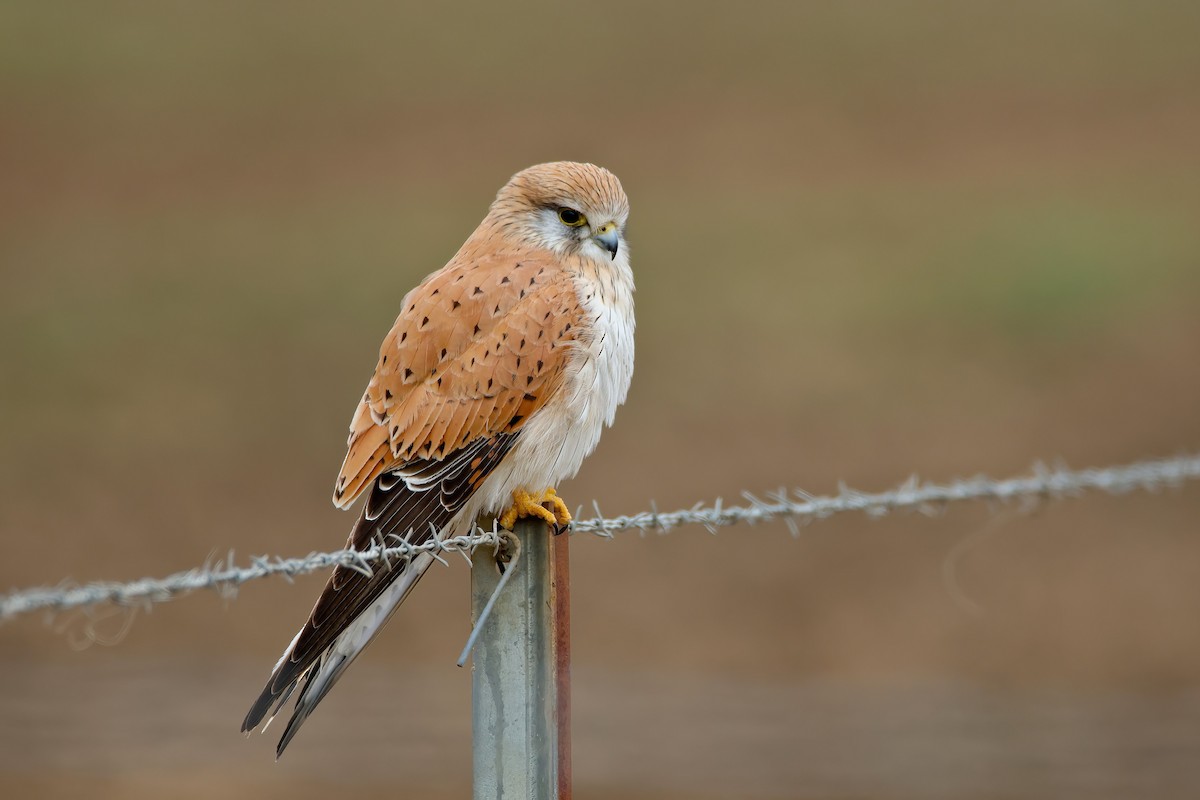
{"x": 870, "y": 239}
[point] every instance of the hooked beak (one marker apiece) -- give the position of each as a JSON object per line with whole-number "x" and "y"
{"x": 608, "y": 237}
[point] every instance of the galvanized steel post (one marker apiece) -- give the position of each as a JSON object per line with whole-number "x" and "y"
{"x": 521, "y": 671}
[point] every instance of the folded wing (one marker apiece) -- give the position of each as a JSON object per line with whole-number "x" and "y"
{"x": 478, "y": 349}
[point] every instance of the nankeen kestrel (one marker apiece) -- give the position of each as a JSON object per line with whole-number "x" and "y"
{"x": 492, "y": 386}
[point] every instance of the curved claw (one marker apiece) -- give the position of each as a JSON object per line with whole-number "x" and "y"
{"x": 547, "y": 506}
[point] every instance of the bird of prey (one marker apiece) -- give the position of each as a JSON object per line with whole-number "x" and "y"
{"x": 492, "y": 387}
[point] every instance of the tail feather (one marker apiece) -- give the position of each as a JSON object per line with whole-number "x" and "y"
{"x": 320, "y": 677}
{"x": 412, "y": 503}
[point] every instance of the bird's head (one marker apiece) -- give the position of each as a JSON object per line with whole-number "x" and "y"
{"x": 567, "y": 207}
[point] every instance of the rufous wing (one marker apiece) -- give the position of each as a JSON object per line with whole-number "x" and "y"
{"x": 478, "y": 348}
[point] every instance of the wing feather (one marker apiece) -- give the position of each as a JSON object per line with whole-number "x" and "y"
{"x": 469, "y": 349}
{"x": 394, "y": 512}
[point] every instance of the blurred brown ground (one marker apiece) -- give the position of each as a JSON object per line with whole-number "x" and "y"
{"x": 870, "y": 240}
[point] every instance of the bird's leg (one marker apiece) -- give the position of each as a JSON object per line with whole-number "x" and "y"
{"x": 545, "y": 505}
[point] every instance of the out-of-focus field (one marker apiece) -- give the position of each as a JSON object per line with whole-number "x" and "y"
{"x": 870, "y": 240}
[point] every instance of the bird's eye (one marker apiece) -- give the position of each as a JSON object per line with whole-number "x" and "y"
{"x": 571, "y": 218}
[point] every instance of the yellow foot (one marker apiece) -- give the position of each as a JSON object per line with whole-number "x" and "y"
{"x": 531, "y": 505}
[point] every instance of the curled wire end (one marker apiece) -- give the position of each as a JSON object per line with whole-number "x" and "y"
{"x": 508, "y": 553}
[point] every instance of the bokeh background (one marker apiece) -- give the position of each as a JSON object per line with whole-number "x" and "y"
{"x": 871, "y": 240}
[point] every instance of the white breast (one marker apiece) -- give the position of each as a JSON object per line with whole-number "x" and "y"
{"x": 556, "y": 440}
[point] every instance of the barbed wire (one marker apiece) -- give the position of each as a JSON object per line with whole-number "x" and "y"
{"x": 794, "y": 507}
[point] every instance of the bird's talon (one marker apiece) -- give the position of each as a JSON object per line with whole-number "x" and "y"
{"x": 546, "y": 506}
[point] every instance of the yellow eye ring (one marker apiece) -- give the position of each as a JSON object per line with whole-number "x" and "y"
{"x": 571, "y": 218}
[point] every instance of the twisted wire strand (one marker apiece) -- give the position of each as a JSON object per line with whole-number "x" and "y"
{"x": 794, "y": 508}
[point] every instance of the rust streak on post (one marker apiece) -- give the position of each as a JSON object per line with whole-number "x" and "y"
{"x": 560, "y": 594}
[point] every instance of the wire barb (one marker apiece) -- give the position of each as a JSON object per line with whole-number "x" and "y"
{"x": 797, "y": 508}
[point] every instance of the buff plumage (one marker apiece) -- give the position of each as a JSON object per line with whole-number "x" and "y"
{"x": 495, "y": 382}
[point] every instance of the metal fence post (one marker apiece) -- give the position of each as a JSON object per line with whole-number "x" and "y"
{"x": 521, "y": 671}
